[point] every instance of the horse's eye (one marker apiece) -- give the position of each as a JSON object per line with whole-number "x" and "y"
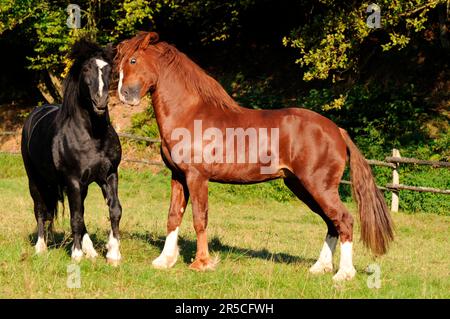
{"x": 133, "y": 61}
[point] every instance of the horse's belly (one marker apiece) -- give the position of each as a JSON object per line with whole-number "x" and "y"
{"x": 244, "y": 173}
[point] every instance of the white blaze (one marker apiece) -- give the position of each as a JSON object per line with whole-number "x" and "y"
{"x": 100, "y": 65}
{"x": 120, "y": 85}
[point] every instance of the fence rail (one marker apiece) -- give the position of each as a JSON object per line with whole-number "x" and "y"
{"x": 392, "y": 162}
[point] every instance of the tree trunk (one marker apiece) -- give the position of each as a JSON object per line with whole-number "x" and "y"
{"x": 50, "y": 87}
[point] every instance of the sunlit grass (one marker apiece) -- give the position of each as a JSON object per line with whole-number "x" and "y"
{"x": 265, "y": 248}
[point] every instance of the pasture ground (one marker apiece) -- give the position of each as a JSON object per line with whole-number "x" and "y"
{"x": 265, "y": 248}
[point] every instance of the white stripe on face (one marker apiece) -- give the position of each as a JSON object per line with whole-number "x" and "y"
{"x": 100, "y": 65}
{"x": 120, "y": 86}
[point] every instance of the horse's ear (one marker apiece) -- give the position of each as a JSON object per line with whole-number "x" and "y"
{"x": 150, "y": 38}
{"x": 83, "y": 49}
{"x": 109, "y": 51}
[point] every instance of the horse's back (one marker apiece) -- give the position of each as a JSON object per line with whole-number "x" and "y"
{"x": 37, "y": 137}
{"x": 40, "y": 117}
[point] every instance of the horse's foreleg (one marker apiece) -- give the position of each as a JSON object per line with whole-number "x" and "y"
{"x": 178, "y": 202}
{"x": 198, "y": 188}
{"x": 110, "y": 192}
{"x": 76, "y": 194}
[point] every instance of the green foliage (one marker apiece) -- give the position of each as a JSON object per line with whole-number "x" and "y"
{"x": 130, "y": 15}
{"x": 214, "y": 19}
{"x": 144, "y": 123}
{"x": 429, "y": 177}
{"x": 15, "y": 12}
{"x": 329, "y": 43}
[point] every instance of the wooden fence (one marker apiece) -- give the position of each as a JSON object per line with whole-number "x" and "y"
{"x": 392, "y": 162}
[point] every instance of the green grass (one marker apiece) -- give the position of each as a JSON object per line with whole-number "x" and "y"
{"x": 266, "y": 247}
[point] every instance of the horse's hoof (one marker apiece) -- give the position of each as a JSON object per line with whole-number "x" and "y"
{"x": 77, "y": 259}
{"x": 113, "y": 262}
{"x": 92, "y": 257}
{"x": 165, "y": 262}
{"x": 88, "y": 247}
{"x": 318, "y": 268}
{"x": 113, "y": 255}
{"x": 204, "y": 264}
{"x": 40, "y": 247}
{"x": 91, "y": 254}
{"x": 77, "y": 255}
{"x": 347, "y": 274}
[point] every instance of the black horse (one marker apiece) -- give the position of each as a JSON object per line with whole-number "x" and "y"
{"x": 67, "y": 147}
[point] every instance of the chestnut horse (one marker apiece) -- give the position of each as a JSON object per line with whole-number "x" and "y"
{"x": 304, "y": 148}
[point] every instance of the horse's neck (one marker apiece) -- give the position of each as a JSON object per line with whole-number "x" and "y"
{"x": 84, "y": 121}
{"x": 172, "y": 109}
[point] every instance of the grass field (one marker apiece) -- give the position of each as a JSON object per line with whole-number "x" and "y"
{"x": 265, "y": 247}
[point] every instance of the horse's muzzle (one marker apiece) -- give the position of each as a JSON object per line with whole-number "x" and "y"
{"x": 130, "y": 95}
{"x": 100, "y": 107}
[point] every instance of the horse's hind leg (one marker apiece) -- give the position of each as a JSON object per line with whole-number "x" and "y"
{"x": 110, "y": 192}
{"x": 42, "y": 214}
{"x": 325, "y": 261}
{"x": 198, "y": 188}
{"x": 178, "y": 202}
{"x": 330, "y": 202}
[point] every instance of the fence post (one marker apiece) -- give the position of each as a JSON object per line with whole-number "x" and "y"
{"x": 395, "y": 181}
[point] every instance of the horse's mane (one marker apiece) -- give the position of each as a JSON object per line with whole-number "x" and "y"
{"x": 174, "y": 63}
{"x": 81, "y": 51}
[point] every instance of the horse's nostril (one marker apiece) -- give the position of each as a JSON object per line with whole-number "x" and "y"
{"x": 125, "y": 92}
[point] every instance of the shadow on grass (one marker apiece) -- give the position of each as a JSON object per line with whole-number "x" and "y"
{"x": 189, "y": 247}
{"x": 58, "y": 240}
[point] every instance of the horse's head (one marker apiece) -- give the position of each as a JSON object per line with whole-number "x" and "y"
{"x": 94, "y": 67}
{"x": 137, "y": 67}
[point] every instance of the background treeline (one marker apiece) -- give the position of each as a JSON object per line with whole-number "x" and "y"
{"x": 389, "y": 87}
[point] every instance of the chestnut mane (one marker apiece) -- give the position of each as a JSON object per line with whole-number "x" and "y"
{"x": 176, "y": 66}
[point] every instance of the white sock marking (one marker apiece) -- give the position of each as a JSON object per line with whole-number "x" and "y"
{"x": 169, "y": 255}
{"x": 100, "y": 65}
{"x": 41, "y": 246}
{"x": 87, "y": 247}
{"x": 325, "y": 261}
{"x": 113, "y": 248}
{"x": 77, "y": 254}
{"x": 346, "y": 270}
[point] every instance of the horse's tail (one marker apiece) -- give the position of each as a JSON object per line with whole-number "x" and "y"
{"x": 376, "y": 223}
